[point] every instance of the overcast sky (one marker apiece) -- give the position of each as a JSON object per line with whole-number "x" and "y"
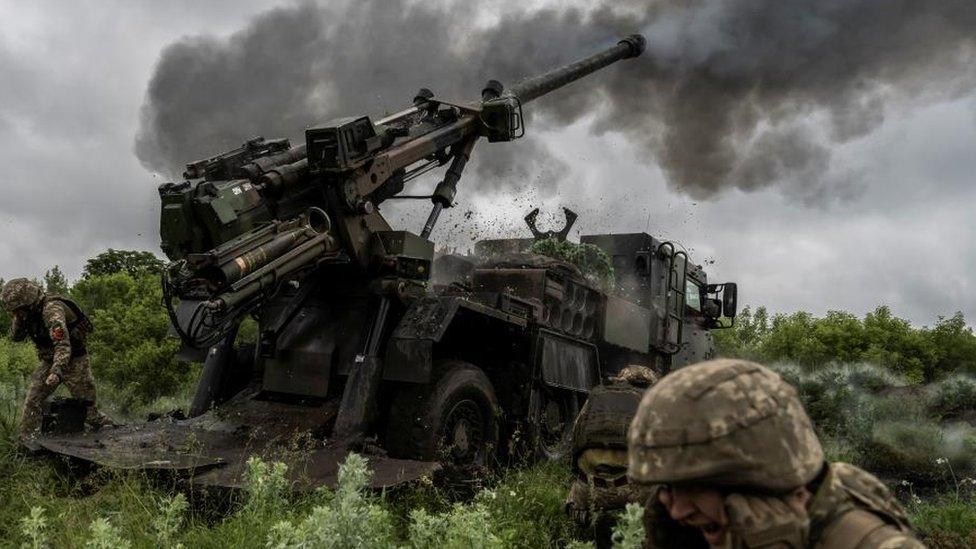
{"x": 896, "y": 227}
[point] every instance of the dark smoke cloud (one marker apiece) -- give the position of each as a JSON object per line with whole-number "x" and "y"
{"x": 732, "y": 80}
{"x": 731, "y": 93}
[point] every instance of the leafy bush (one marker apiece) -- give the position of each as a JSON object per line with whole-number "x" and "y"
{"x": 169, "y": 520}
{"x": 34, "y": 529}
{"x": 129, "y": 348}
{"x": 592, "y": 261}
{"x": 831, "y": 397}
{"x": 105, "y": 535}
{"x": 899, "y": 408}
{"x": 527, "y": 507}
{"x": 955, "y": 395}
{"x": 462, "y": 527}
{"x": 351, "y": 517}
{"x": 628, "y": 533}
{"x": 265, "y": 484}
{"x": 17, "y": 360}
{"x": 920, "y": 451}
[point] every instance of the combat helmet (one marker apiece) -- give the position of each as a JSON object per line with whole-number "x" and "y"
{"x": 724, "y": 423}
{"x": 21, "y": 292}
{"x": 636, "y": 375}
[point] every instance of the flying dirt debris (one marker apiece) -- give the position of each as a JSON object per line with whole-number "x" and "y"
{"x": 356, "y": 348}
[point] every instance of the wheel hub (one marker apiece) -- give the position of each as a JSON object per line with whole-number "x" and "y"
{"x": 463, "y": 432}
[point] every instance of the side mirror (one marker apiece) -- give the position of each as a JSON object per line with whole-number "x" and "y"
{"x": 729, "y": 294}
{"x": 730, "y": 297}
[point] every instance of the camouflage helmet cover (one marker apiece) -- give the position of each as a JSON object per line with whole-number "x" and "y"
{"x": 636, "y": 375}
{"x": 19, "y": 293}
{"x": 727, "y": 423}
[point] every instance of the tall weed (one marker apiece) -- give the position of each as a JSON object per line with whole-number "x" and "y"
{"x": 34, "y": 529}
{"x": 351, "y": 516}
{"x": 954, "y": 396}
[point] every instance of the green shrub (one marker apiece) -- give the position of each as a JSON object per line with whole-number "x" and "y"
{"x": 840, "y": 449}
{"x": 905, "y": 450}
{"x": 527, "y": 506}
{"x": 105, "y": 535}
{"x": 628, "y": 533}
{"x": 898, "y": 408}
{"x": 955, "y": 395}
{"x": 17, "y": 361}
{"x": 921, "y": 451}
{"x": 870, "y": 377}
{"x": 351, "y": 517}
{"x": 947, "y": 521}
{"x": 130, "y": 350}
{"x": 592, "y": 261}
{"x": 34, "y": 528}
{"x": 169, "y": 520}
{"x": 462, "y": 527}
{"x": 835, "y": 405}
{"x": 265, "y": 484}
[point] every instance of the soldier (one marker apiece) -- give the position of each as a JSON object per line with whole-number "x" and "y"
{"x": 601, "y": 489}
{"x": 58, "y": 328}
{"x": 735, "y": 462}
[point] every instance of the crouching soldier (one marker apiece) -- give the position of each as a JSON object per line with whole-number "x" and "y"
{"x": 601, "y": 489}
{"x": 58, "y": 328}
{"x": 734, "y": 463}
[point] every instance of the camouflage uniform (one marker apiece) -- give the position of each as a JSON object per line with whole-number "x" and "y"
{"x": 58, "y": 328}
{"x": 738, "y": 427}
{"x": 601, "y": 488}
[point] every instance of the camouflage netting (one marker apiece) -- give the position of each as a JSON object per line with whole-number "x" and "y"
{"x": 592, "y": 262}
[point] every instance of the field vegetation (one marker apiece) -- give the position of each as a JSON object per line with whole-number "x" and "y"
{"x": 897, "y": 399}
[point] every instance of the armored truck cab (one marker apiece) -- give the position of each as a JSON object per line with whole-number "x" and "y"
{"x": 547, "y": 333}
{"x": 658, "y": 311}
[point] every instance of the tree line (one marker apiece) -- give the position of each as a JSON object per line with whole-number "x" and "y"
{"x": 919, "y": 354}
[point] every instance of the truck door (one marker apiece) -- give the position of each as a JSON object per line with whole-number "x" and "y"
{"x": 697, "y": 342}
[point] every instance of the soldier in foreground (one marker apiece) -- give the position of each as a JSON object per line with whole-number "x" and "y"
{"x": 734, "y": 462}
{"x": 58, "y": 327}
{"x": 601, "y": 489}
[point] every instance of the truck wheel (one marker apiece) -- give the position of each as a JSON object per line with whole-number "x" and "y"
{"x": 554, "y": 412}
{"x": 452, "y": 420}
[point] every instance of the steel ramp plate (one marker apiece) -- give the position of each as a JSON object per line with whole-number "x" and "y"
{"x": 214, "y": 448}
{"x": 321, "y": 468}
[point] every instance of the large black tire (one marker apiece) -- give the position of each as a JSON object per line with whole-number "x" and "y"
{"x": 553, "y": 412}
{"x": 452, "y": 420}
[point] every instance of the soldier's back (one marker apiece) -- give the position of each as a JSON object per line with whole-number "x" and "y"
{"x": 852, "y": 509}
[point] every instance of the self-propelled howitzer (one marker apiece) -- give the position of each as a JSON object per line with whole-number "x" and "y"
{"x": 355, "y": 349}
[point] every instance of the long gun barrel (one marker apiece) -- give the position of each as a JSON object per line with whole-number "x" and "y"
{"x": 532, "y": 88}
{"x": 235, "y": 229}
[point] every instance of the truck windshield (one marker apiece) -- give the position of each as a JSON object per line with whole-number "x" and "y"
{"x": 693, "y": 296}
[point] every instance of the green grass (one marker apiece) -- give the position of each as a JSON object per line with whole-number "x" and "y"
{"x": 523, "y": 507}
{"x": 946, "y": 521}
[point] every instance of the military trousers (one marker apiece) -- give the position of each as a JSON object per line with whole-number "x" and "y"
{"x": 76, "y": 375}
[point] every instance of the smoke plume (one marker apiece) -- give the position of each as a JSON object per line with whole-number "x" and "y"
{"x": 730, "y": 93}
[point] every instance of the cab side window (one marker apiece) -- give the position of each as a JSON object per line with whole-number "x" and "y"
{"x": 693, "y": 296}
